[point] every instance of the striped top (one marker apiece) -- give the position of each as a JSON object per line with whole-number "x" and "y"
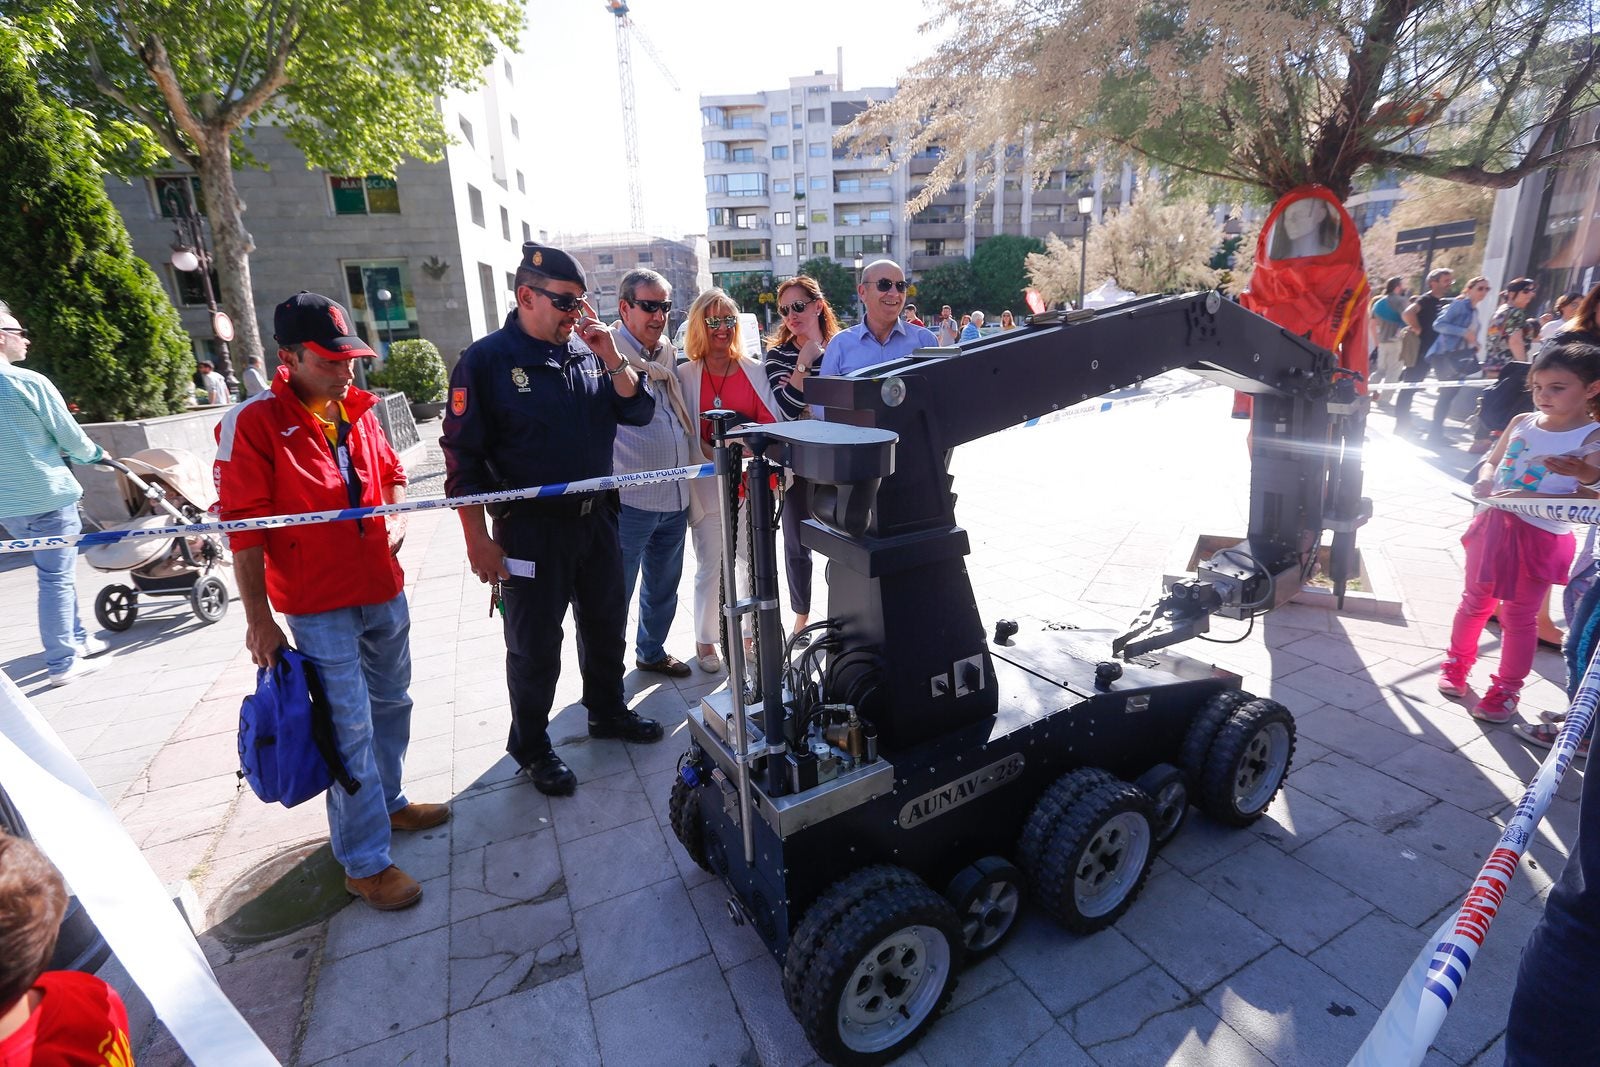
{"x": 35, "y": 431}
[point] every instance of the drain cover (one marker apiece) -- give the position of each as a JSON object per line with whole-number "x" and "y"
{"x": 281, "y": 895}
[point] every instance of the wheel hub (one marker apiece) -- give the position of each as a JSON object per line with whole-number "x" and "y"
{"x": 893, "y": 988}
{"x": 1111, "y": 863}
{"x": 1261, "y": 766}
{"x": 990, "y": 915}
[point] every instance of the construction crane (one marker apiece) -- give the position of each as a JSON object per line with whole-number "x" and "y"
{"x": 627, "y": 31}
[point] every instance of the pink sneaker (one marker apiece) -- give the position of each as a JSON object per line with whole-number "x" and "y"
{"x": 1499, "y": 704}
{"x": 1453, "y": 678}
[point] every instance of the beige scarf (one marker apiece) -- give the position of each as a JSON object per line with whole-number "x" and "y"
{"x": 649, "y": 368}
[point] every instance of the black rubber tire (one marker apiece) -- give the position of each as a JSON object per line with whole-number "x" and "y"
{"x": 1203, "y": 731}
{"x": 825, "y": 912}
{"x": 1107, "y": 834}
{"x": 890, "y": 962}
{"x": 683, "y": 810}
{"x": 1055, "y": 802}
{"x": 986, "y": 895}
{"x": 116, "y": 607}
{"x": 1247, "y": 763}
{"x": 209, "y": 599}
{"x": 1168, "y": 790}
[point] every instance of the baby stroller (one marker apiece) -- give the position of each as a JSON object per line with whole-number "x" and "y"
{"x": 162, "y": 487}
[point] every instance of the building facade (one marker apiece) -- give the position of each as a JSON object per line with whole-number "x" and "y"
{"x": 606, "y": 257}
{"x": 441, "y": 239}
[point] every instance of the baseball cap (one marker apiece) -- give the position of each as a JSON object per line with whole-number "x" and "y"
{"x": 320, "y": 324}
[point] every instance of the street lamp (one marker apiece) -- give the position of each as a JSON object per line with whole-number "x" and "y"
{"x": 189, "y": 253}
{"x": 1085, "y": 209}
{"x": 384, "y": 296}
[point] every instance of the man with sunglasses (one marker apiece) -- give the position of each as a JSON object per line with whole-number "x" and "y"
{"x": 538, "y": 402}
{"x": 882, "y": 335}
{"x": 655, "y": 518}
{"x": 39, "y": 496}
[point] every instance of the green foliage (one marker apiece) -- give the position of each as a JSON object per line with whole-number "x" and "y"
{"x": 1000, "y": 269}
{"x": 954, "y": 283}
{"x": 838, "y": 284}
{"x": 415, "y": 369}
{"x": 102, "y": 327}
{"x": 750, "y": 294}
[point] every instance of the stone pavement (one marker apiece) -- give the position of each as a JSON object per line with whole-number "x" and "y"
{"x": 576, "y": 931}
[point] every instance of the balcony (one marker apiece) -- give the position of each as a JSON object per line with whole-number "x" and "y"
{"x": 735, "y": 166}
{"x": 921, "y": 261}
{"x": 744, "y": 201}
{"x": 948, "y": 230}
{"x": 735, "y": 233}
{"x": 866, "y": 195}
{"x": 756, "y": 131}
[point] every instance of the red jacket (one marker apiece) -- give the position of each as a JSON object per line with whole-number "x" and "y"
{"x": 272, "y": 459}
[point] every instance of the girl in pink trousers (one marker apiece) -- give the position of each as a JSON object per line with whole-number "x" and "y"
{"x": 1513, "y": 559}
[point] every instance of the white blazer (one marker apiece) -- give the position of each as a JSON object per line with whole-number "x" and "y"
{"x": 702, "y": 491}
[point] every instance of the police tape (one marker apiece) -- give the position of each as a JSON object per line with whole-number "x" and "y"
{"x": 271, "y": 522}
{"x": 71, "y": 823}
{"x": 1584, "y": 511}
{"x": 1411, "y": 1019}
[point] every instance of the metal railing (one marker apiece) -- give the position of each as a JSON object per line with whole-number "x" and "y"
{"x": 394, "y": 415}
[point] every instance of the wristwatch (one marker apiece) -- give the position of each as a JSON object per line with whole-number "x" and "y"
{"x": 620, "y": 368}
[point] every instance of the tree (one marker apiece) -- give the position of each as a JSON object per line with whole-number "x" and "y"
{"x": 102, "y": 327}
{"x": 838, "y": 284}
{"x": 1150, "y": 246}
{"x": 1268, "y": 95}
{"x": 1000, "y": 267}
{"x": 954, "y": 283}
{"x": 356, "y": 85}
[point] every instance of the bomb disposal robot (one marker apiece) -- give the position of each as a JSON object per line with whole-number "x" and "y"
{"x": 879, "y": 801}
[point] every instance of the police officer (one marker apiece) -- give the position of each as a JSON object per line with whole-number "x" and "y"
{"x": 533, "y": 405}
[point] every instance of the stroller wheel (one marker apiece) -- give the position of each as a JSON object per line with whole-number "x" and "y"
{"x": 209, "y": 599}
{"x": 116, "y": 607}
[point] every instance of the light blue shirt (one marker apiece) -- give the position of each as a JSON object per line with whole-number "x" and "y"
{"x": 35, "y": 430}
{"x": 856, "y": 347}
{"x": 969, "y": 332}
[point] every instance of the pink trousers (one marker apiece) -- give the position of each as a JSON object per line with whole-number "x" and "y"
{"x": 1511, "y": 564}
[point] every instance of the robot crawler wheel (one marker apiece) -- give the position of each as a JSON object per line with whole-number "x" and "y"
{"x": 1164, "y": 784}
{"x": 884, "y": 970}
{"x": 684, "y": 812}
{"x": 209, "y": 599}
{"x": 1203, "y": 731}
{"x": 116, "y": 607}
{"x": 985, "y": 896}
{"x": 1247, "y": 763}
{"x": 1055, "y": 802}
{"x": 838, "y": 899}
{"x": 1096, "y": 858}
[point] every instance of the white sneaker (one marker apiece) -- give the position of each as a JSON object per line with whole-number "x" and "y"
{"x": 78, "y": 669}
{"x": 94, "y": 646}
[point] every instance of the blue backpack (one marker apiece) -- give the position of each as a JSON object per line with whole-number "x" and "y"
{"x": 287, "y": 750}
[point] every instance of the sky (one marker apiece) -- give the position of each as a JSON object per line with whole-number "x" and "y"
{"x": 711, "y": 46}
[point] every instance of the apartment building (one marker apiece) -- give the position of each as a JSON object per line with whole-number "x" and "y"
{"x": 441, "y": 239}
{"x": 606, "y": 257}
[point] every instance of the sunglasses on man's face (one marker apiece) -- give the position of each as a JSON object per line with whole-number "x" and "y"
{"x": 18, "y": 330}
{"x": 885, "y": 284}
{"x": 652, "y": 307}
{"x": 795, "y": 308}
{"x": 724, "y": 322}
{"x": 563, "y": 302}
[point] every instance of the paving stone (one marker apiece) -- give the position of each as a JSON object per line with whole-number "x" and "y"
{"x": 1202, "y": 841}
{"x": 1064, "y": 970}
{"x": 1370, "y": 864}
{"x": 733, "y": 945}
{"x": 1126, "y": 1007}
{"x": 662, "y": 931}
{"x": 995, "y": 1028}
{"x": 1164, "y": 923}
{"x": 357, "y": 928}
{"x": 381, "y": 992}
{"x": 1190, "y": 1037}
{"x": 487, "y": 816}
{"x": 1055, "y": 1049}
{"x": 979, "y": 979}
{"x": 1286, "y": 898}
{"x": 591, "y": 759}
{"x": 493, "y": 954}
{"x": 1361, "y": 792}
{"x": 615, "y": 861}
{"x": 1453, "y": 777}
{"x": 1458, "y": 839}
{"x": 1331, "y": 686}
{"x": 757, "y": 988}
{"x": 602, "y": 804}
{"x": 1293, "y": 817}
{"x": 547, "y": 1025}
{"x": 424, "y": 1045}
{"x": 687, "y": 1009}
{"x": 1348, "y": 734}
{"x": 1293, "y": 1011}
{"x": 506, "y": 872}
{"x": 1515, "y": 763}
{"x": 1478, "y": 1017}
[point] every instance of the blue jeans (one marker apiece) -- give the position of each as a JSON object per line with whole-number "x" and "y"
{"x": 653, "y": 540}
{"x": 363, "y": 656}
{"x": 59, "y": 626}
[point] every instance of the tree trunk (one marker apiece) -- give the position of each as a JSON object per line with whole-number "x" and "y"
{"x": 231, "y": 246}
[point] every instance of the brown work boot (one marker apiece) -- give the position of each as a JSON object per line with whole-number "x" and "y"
{"x": 389, "y": 890}
{"x": 419, "y": 816}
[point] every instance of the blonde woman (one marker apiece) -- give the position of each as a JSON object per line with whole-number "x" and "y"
{"x": 717, "y": 375}
{"x": 1007, "y": 320}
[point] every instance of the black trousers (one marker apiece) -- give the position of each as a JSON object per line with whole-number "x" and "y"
{"x": 577, "y": 560}
{"x": 796, "y": 557}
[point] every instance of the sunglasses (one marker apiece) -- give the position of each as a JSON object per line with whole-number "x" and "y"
{"x": 794, "y": 308}
{"x": 652, "y": 307}
{"x": 884, "y": 285}
{"x": 725, "y": 322}
{"x": 560, "y": 301}
{"x": 18, "y": 330}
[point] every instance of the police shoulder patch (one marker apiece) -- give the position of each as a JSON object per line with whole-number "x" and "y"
{"x": 458, "y": 401}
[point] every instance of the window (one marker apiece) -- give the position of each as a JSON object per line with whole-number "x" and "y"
{"x": 719, "y": 216}
{"x": 1013, "y": 184}
{"x": 745, "y": 220}
{"x": 605, "y": 259}
{"x": 847, "y": 185}
{"x": 817, "y": 151}
{"x": 509, "y": 78}
{"x": 713, "y": 116}
{"x": 780, "y": 187}
{"x": 880, "y": 214}
{"x": 784, "y": 249}
{"x": 933, "y": 246}
{"x": 819, "y": 248}
{"x": 717, "y": 151}
{"x": 1046, "y": 213}
{"x": 475, "y": 205}
{"x": 516, "y": 129}
{"x": 783, "y": 218}
{"x": 522, "y": 183}
{"x": 189, "y": 288}
{"x": 938, "y": 214}
{"x": 744, "y": 155}
{"x": 170, "y": 191}
{"x": 870, "y": 245}
{"x": 505, "y": 224}
{"x": 527, "y": 233}
{"x": 800, "y": 221}
{"x": 365, "y": 196}
{"x": 780, "y": 119}
{"x": 780, "y": 151}
{"x": 608, "y": 290}
{"x": 511, "y": 281}
{"x": 646, "y": 258}
{"x": 798, "y": 146}
{"x": 744, "y": 120}
{"x": 491, "y": 302}
{"x": 744, "y": 250}
{"x": 817, "y": 114}
{"x": 794, "y": 114}
{"x": 819, "y": 216}
{"x": 819, "y": 182}
{"x": 848, "y": 217}
{"x": 878, "y": 181}
{"x": 378, "y": 320}
{"x": 466, "y": 129}
{"x": 747, "y": 185}
{"x": 1010, "y": 214}
{"x": 717, "y": 184}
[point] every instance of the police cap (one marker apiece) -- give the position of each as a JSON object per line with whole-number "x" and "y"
{"x": 552, "y": 263}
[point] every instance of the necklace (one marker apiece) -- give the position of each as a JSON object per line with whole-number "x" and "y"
{"x": 717, "y": 386}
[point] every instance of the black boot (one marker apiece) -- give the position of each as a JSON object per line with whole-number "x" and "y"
{"x": 550, "y": 776}
{"x": 626, "y": 727}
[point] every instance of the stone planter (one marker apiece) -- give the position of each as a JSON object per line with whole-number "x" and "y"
{"x": 423, "y": 411}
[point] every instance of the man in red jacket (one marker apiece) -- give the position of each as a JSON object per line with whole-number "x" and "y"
{"x": 311, "y": 443}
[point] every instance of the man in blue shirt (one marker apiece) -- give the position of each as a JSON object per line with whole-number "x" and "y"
{"x": 534, "y": 403}
{"x": 39, "y": 496}
{"x": 971, "y": 331}
{"x": 883, "y": 335}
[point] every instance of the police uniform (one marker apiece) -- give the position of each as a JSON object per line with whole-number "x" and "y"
{"x": 527, "y": 412}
